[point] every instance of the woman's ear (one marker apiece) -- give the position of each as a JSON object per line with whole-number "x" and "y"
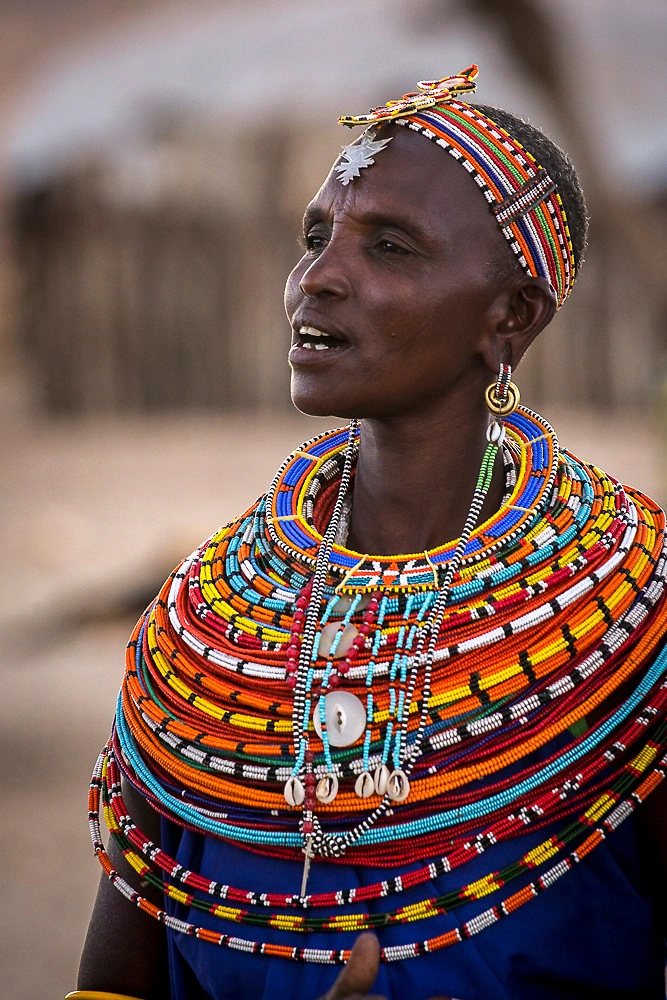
{"x": 521, "y": 311}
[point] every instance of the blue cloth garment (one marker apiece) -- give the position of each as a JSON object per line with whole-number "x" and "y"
{"x": 594, "y": 934}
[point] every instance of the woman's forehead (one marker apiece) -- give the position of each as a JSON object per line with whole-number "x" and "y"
{"x": 412, "y": 180}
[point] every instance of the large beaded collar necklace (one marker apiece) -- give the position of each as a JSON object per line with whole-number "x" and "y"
{"x": 303, "y": 700}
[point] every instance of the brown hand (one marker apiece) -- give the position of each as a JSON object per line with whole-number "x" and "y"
{"x": 358, "y": 976}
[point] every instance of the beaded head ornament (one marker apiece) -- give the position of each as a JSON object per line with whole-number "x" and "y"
{"x": 522, "y": 196}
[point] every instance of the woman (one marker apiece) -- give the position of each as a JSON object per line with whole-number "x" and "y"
{"x": 328, "y": 742}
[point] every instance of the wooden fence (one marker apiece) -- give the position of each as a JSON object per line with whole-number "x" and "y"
{"x": 176, "y": 301}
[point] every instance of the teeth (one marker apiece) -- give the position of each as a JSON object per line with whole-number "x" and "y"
{"x": 315, "y": 347}
{"x": 310, "y": 331}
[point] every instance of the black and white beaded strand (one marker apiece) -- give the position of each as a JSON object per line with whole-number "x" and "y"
{"x": 398, "y": 784}
{"x": 327, "y": 787}
{"x": 502, "y": 398}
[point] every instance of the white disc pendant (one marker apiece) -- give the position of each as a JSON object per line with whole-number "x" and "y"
{"x": 382, "y": 775}
{"x": 398, "y": 786}
{"x": 327, "y": 788}
{"x": 344, "y": 604}
{"x": 364, "y": 786}
{"x": 294, "y": 792}
{"x": 329, "y": 633}
{"x": 345, "y": 717}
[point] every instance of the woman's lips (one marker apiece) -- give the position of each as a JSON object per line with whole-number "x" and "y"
{"x": 313, "y": 346}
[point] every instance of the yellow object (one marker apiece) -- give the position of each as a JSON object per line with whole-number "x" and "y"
{"x": 96, "y": 995}
{"x": 503, "y": 409}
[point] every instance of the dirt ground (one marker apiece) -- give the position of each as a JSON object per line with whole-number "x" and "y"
{"x": 94, "y": 516}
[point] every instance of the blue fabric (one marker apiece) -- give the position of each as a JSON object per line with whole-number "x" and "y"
{"x": 594, "y": 934}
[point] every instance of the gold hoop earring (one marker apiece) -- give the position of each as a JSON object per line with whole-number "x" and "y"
{"x": 502, "y": 396}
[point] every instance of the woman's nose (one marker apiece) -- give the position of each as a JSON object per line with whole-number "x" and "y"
{"x": 328, "y": 274}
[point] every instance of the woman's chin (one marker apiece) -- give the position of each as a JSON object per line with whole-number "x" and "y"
{"x": 319, "y": 400}
{"x": 314, "y": 406}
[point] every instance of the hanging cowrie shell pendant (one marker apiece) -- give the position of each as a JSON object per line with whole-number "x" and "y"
{"x": 294, "y": 792}
{"x": 364, "y": 786}
{"x": 398, "y": 787}
{"x": 381, "y": 779}
{"x": 495, "y": 433}
{"x": 327, "y": 788}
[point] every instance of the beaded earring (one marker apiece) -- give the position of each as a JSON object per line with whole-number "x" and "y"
{"x": 502, "y": 396}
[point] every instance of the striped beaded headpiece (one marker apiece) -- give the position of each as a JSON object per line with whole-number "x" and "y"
{"x": 522, "y": 196}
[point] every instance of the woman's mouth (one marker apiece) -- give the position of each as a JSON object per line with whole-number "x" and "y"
{"x": 311, "y": 343}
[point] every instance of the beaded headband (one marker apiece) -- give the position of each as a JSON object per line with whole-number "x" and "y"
{"x": 522, "y": 196}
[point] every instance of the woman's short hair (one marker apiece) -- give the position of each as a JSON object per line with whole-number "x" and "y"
{"x": 559, "y": 167}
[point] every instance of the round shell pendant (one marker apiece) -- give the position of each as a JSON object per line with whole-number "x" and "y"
{"x": 345, "y": 603}
{"x": 327, "y": 788}
{"x": 398, "y": 787}
{"x": 364, "y": 786}
{"x": 294, "y": 792}
{"x": 345, "y": 718}
{"x": 382, "y": 775}
{"x": 329, "y": 633}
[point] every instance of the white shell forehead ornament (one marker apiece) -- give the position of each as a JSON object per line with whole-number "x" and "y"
{"x": 361, "y": 153}
{"x": 358, "y": 155}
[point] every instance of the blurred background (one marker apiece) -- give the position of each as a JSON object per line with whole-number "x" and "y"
{"x": 155, "y": 159}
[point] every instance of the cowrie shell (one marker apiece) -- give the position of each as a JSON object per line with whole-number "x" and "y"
{"x": 294, "y": 792}
{"x": 495, "y": 433}
{"x": 364, "y": 786}
{"x": 398, "y": 787}
{"x": 382, "y": 774}
{"x": 327, "y": 788}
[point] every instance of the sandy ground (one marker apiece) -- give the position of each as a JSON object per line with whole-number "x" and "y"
{"x": 94, "y": 516}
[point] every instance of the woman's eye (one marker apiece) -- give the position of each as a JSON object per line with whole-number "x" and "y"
{"x": 389, "y": 247}
{"x": 314, "y": 242}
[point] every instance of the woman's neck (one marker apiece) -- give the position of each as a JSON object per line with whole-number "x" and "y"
{"x": 415, "y": 479}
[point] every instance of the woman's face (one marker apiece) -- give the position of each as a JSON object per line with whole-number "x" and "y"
{"x": 396, "y": 272}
